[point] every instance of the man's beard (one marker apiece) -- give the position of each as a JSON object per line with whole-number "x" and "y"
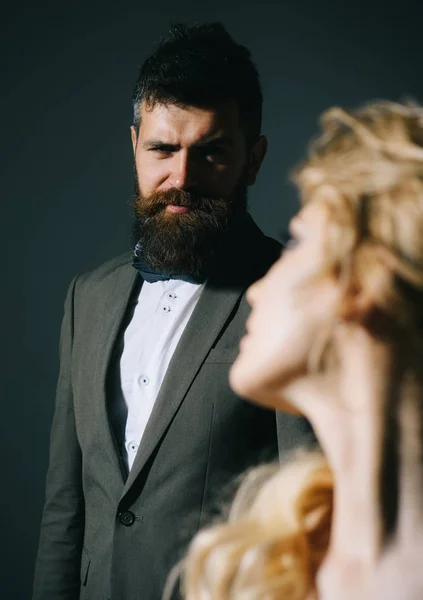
{"x": 190, "y": 243}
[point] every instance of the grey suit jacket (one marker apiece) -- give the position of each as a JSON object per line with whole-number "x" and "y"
{"x": 108, "y": 536}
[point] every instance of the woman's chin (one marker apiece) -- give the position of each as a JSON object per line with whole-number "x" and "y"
{"x": 244, "y": 382}
{"x": 239, "y": 377}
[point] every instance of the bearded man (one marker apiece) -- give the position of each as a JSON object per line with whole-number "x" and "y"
{"x": 146, "y": 428}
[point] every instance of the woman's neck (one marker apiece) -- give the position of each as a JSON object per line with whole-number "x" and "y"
{"x": 351, "y": 433}
{"x": 368, "y": 416}
{"x": 367, "y": 376}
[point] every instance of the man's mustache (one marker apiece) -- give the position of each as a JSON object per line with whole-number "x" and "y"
{"x": 158, "y": 201}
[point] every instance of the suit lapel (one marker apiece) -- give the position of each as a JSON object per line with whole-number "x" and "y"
{"x": 213, "y": 309}
{"x": 115, "y": 296}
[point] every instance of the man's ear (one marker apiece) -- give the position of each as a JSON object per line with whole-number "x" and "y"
{"x": 257, "y": 154}
{"x": 133, "y": 138}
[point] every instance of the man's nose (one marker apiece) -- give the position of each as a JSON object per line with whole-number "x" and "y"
{"x": 183, "y": 174}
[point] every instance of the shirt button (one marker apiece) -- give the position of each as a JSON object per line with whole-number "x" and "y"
{"x": 166, "y": 308}
{"x": 172, "y": 296}
{"x": 143, "y": 380}
{"x": 127, "y": 518}
{"x": 132, "y": 446}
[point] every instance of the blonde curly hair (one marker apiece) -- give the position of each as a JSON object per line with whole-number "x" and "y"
{"x": 367, "y": 166}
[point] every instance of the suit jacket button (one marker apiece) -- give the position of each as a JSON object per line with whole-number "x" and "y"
{"x": 127, "y": 518}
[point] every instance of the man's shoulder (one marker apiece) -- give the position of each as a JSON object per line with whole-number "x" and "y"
{"x": 262, "y": 251}
{"x": 272, "y": 247}
{"x": 108, "y": 270}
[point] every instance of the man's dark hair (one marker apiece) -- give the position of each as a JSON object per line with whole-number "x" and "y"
{"x": 202, "y": 66}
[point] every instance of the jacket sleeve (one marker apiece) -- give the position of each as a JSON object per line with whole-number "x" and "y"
{"x": 57, "y": 569}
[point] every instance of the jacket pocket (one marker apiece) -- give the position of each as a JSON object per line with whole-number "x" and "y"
{"x": 85, "y": 566}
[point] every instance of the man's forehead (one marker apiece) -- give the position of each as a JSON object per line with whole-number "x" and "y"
{"x": 198, "y": 122}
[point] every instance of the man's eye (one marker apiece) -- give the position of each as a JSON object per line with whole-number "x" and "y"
{"x": 161, "y": 150}
{"x": 215, "y": 154}
{"x": 216, "y": 150}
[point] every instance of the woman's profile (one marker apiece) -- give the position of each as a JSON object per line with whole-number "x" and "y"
{"x": 336, "y": 333}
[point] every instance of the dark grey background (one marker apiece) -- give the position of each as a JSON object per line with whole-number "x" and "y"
{"x": 67, "y": 71}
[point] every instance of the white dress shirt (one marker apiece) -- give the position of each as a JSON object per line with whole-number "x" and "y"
{"x": 159, "y": 319}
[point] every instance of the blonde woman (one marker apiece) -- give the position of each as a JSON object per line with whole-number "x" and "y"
{"x": 336, "y": 333}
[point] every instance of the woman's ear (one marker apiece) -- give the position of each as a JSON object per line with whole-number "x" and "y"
{"x": 355, "y": 305}
{"x": 363, "y": 301}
